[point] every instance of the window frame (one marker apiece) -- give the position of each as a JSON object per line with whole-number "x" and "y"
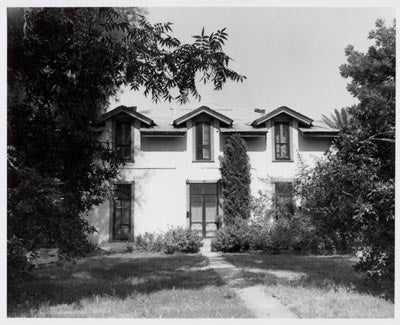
{"x": 118, "y": 145}
{"x": 196, "y": 144}
{"x": 291, "y": 196}
{"x": 277, "y": 130}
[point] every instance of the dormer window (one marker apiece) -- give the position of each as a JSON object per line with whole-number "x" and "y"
{"x": 203, "y": 141}
{"x": 123, "y": 140}
{"x": 282, "y": 141}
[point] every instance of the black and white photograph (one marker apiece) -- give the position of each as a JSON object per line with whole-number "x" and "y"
{"x": 216, "y": 160}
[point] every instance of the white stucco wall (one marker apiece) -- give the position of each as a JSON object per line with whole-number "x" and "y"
{"x": 162, "y": 167}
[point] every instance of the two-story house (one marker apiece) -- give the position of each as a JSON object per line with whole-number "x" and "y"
{"x": 171, "y": 173}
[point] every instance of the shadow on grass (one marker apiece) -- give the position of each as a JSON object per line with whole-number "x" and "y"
{"x": 324, "y": 272}
{"x": 116, "y": 276}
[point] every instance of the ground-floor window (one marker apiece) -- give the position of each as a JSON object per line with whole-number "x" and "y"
{"x": 283, "y": 199}
{"x": 122, "y": 221}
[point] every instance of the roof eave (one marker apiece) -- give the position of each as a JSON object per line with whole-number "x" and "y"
{"x": 222, "y": 118}
{"x": 282, "y": 110}
{"x": 327, "y": 134}
{"x": 136, "y": 115}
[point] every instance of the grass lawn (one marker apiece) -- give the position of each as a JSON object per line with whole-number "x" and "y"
{"x": 315, "y": 286}
{"x": 127, "y": 285}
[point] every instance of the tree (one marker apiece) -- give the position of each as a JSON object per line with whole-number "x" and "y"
{"x": 235, "y": 177}
{"x": 63, "y": 66}
{"x": 351, "y": 193}
{"x": 339, "y": 120}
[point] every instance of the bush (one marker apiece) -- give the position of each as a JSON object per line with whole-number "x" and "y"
{"x": 180, "y": 240}
{"x": 149, "y": 242}
{"x": 232, "y": 238}
{"x": 175, "y": 240}
{"x": 18, "y": 265}
{"x": 294, "y": 234}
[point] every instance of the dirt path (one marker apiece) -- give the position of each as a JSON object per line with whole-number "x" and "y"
{"x": 253, "y": 296}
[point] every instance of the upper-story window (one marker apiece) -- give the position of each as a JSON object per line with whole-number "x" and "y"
{"x": 282, "y": 141}
{"x": 123, "y": 139}
{"x": 203, "y": 141}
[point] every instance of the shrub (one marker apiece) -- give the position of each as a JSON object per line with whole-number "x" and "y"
{"x": 235, "y": 178}
{"x": 180, "y": 240}
{"x": 18, "y": 265}
{"x": 232, "y": 238}
{"x": 175, "y": 240}
{"x": 149, "y": 242}
{"x": 293, "y": 234}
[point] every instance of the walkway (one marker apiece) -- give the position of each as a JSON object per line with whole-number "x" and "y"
{"x": 253, "y": 296}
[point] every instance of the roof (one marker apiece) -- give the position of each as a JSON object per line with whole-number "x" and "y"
{"x": 242, "y": 127}
{"x": 283, "y": 110}
{"x": 131, "y": 111}
{"x": 164, "y": 129}
{"x": 319, "y": 129}
{"x": 159, "y": 120}
{"x": 201, "y": 110}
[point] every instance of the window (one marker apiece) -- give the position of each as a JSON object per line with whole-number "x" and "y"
{"x": 122, "y": 212}
{"x": 282, "y": 141}
{"x": 123, "y": 140}
{"x": 283, "y": 198}
{"x": 203, "y": 141}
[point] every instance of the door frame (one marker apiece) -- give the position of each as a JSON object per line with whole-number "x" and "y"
{"x": 111, "y": 237}
{"x": 188, "y": 205}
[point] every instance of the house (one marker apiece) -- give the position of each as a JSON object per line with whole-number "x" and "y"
{"x": 171, "y": 173}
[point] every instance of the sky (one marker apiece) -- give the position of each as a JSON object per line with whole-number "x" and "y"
{"x": 290, "y": 56}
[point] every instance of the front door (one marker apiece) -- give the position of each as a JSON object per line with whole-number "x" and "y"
{"x": 204, "y": 208}
{"x": 122, "y": 212}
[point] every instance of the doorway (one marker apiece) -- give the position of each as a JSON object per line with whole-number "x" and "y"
{"x": 204, "y": 208}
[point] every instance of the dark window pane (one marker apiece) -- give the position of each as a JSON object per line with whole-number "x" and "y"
{"x": 203, "y": 188}
{"x": 283, "y": 188}
{"x": 282, "y": 140}
{"x": 210, "y": 188}
{"x": 196, "y": 188}
{"x": 284, "y": 198}
{"x": 123, "y": 140}
{"x": 199, "y": 134}
{"x": 203, "y": 141}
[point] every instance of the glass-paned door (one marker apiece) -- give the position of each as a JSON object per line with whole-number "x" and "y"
{"x": 122, "y": 212}
{"x": 204, "y": 208}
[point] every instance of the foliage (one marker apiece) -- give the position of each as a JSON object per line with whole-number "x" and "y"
{"x": 232, "y": 238}
{"x": 63, "y": 66}
{"x": 235, "y": 177}
{"x": 175, "y": 240}
{"x": 339, "y": 120}
{"x": 180, "y": 240}
{"x": 18, "y": 265}
{"x": 350, "y": 194}
{"x": 286, "y": 234}
{"x": 149, "y": 242}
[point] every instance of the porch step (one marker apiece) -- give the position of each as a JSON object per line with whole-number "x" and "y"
{"x": 206, "y": 245}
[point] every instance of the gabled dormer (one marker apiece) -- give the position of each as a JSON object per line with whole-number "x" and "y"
{"x": 203, "y": 111}
{"x": 122, "y": 122}
{"x": 204, "y": 124}
{"x": 286, "y": 127}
